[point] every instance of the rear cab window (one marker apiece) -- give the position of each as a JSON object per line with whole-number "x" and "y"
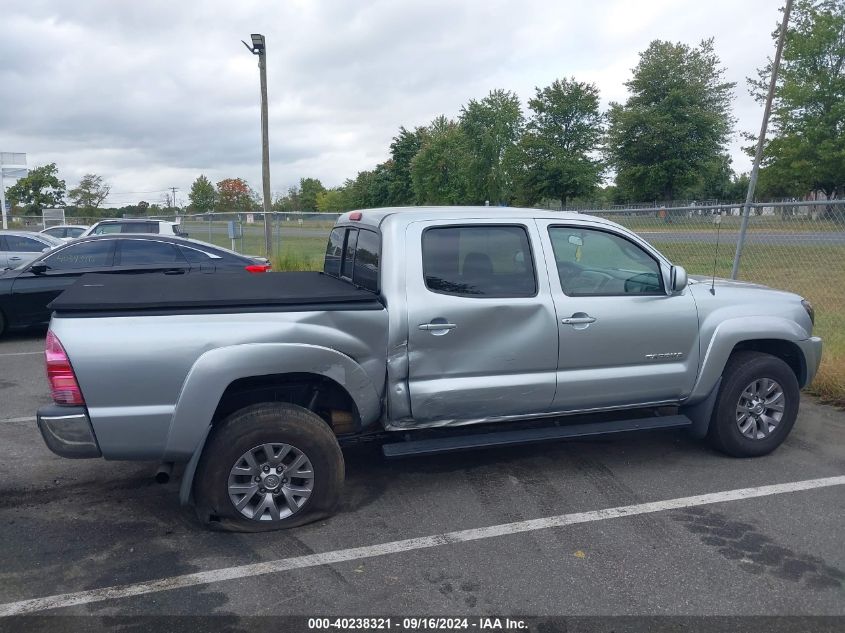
{"x": 479, "y": 261}
{"x": 354, "y": 254}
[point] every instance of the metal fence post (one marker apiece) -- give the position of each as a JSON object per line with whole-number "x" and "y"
{"x": 740, "y": 241}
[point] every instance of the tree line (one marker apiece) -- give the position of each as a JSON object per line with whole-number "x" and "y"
{"x": 667, "y": 141}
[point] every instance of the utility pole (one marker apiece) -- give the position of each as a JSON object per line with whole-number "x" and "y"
{"x": 259, "y": 48}
{"x": 755, "y": 168}
{"x": 173, "y": 199}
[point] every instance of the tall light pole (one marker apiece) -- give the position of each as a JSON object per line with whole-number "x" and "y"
{"x": 259, "y": 48}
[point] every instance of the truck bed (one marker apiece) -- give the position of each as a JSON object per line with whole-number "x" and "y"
{"x": 158, "y": 293}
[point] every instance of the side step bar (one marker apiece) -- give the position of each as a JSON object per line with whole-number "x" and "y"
{"x": 468, "y": 442}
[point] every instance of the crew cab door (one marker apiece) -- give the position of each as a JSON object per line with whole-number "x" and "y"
{"x": 482, "y": 333}
{"x": 624, "y": 341}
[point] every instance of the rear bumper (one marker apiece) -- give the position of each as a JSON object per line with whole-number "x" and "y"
{"x": 812, "y": 349}
{"x": 67, "y": 431}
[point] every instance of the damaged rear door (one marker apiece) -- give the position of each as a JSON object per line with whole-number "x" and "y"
{"x": 483, "y": 339}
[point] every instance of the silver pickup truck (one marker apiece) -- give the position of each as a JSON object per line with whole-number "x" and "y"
{"x": 429, "y": 330}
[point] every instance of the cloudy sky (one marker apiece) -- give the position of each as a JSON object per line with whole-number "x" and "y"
{"x": 151, "y": 93}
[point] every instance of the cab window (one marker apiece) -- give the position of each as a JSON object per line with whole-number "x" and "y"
{"x": 479, "y": 261}
{"x": 355, "y": 255}
{"x": 592, "y": 262}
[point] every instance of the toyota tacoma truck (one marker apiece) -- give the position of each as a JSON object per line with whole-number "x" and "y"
{"x": 428, "y": 330}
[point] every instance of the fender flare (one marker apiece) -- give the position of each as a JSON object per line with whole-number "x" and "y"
{"x": 727, "y": 335}
{"x": 215, "y": 370}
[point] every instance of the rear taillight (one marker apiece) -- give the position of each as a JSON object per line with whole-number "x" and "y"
{"x": 60, "y": 374}
{"x": 259, "y": 268}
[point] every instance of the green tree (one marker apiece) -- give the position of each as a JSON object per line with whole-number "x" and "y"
{"x": 234, "y": 195}
{"x": 439, "y": 170}
{"x": 202, "y": 195}
{"x": 309, "y": 189}
{"x": 90, "y": 193}
{"x": 332, "y": 200}
{"x": 371, "y": 188}
{"x": 289, "y": 202}
{"x": 40, "y": 189}
{"x": 806, "y": 151}
{"x": 403, "y": 148}
{"x": 492, "y": 128}
{"x": 676, "y": 121}
{"x": 561, "y": 142}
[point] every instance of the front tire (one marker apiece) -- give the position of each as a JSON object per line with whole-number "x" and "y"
{"x": 756, "y": 407}
{"x": 267, "y": 467}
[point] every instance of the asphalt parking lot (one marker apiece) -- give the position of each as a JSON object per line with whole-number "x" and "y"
{"x": 80, "y": 526}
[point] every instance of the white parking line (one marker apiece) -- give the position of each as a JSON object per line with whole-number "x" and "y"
{"x": 29, "y": 418}
{"x": 21, "y": 353}
{"x": 338, "y": 556}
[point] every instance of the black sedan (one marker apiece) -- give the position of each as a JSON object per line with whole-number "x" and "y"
{"x": 25, "y": 291}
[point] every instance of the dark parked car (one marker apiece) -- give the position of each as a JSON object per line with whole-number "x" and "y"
{"x": 26, "y": 290}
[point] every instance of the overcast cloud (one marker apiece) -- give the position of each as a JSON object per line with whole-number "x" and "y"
{"x": 150, "y": 94}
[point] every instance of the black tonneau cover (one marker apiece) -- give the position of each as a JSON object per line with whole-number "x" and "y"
{"x": 159, "y": 293}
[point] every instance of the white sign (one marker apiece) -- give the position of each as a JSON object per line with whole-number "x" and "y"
{"x": 12, "y": 165}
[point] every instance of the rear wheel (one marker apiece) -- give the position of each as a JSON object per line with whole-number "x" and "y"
{"x": 756, "y": 407}
{"x": 267, "y": 467}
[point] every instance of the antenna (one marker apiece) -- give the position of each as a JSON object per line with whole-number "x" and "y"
{"x": 718, "y": 221}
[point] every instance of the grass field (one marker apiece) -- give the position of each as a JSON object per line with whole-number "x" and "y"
{"x": 815, "y": 272}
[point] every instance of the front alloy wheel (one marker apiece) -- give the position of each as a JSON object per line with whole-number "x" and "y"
{"x": 757, "y": 404}
{"x": 271, "y": 482}
{"x": 760, "y": 408}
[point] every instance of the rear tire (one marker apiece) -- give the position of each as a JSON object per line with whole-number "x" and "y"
{"x": 756, "y": 407}
{"x": 279, "y": 462}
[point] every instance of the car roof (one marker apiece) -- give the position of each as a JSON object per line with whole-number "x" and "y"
{"x": 65, "y": 226}
{"x": 35, "y": 234}
{"x": 134, "y": 220}
{"x": 156, "y": 237}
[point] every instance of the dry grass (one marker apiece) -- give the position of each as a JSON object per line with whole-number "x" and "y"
{"x": 815, "y": 272}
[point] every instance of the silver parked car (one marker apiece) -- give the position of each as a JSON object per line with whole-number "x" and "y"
{"x": 21, "y": 247}
{"x": 65, "y": 232}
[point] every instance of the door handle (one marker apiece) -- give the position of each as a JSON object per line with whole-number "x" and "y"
{"x": 428, "y": 327}
{"x": 578, "y": 320}
{"x": 174, "y": 271}
{"x": 14, "y": 259}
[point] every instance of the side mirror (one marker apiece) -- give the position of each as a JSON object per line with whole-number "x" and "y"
{"x": 678, "y": 277}
{"x": 38, "y": 268}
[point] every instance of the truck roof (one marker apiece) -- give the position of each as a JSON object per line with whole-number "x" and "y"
{"x": 375, "y": 217}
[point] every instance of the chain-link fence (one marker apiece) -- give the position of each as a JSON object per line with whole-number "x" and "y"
{"x": 797, "y": 246}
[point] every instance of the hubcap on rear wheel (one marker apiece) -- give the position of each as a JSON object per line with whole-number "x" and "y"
{"x": 760, "y": 408}
{"x": 271, "y": 482}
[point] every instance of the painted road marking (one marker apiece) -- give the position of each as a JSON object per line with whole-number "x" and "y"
{"x": 394, "y": 547}
{"x": 29, "y": 418}
{"x": 21, "y": 353}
